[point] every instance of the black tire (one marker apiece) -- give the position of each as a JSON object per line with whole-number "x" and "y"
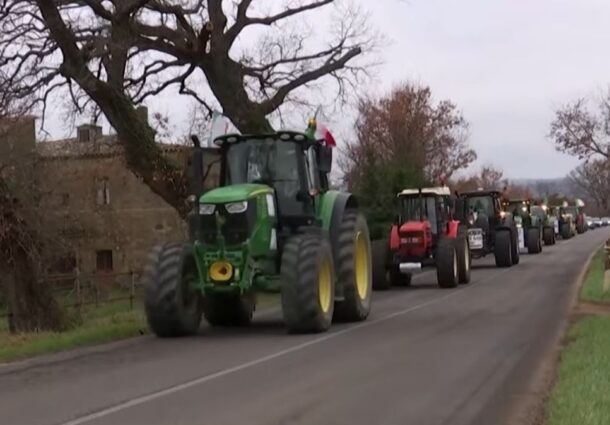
{"x": 514, "y": 247}
{"x": 228, "y": 309}
{"x": 464, "y": 259}
{"x": 396, "y": 278}
{"x": 306, "y": 261}
{"x": 566, "y": 232}
{"x": 173, "y": 307}
{"x": 447, "y": 267}
{"x": 503, "y": 248}
{"x": 548, "y": 235}
{"x": 534, "y": 246}
{"x": 379, "y": 256}
{"x": 354, "y": 270}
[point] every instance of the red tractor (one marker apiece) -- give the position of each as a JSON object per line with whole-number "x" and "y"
{"x": 426, "y": 234}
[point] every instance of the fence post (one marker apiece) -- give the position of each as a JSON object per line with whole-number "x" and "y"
{"x": 79, "y": 299}
{"x": 132, "y": 290}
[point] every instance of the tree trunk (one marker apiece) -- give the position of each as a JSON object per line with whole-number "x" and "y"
{"x": 225, "y": 78}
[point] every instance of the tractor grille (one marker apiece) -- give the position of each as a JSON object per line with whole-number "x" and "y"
{"x": 236, "y": 229}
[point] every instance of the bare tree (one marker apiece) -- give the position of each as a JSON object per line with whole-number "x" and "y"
{"x": 592, "y": 179}
{"x": 580, "y": 131}
{"x": 110, "y": 55}
{"x": 488, "y": 177}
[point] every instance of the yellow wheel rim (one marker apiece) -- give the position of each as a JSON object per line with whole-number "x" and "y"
{"x": 325, "y": 285}
{"x": 362, "y": 265}
{"x": 221, "y": 271}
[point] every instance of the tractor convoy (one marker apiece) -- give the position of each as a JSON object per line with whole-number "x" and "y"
{"x": 273, "y": 225}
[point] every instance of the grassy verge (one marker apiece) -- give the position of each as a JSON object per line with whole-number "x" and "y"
{"x": 582, "y": 393}
{"x": 106, "y": 323}
{"x": 593, "y": 287}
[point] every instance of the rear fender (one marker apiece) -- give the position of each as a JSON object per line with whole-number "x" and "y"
{"x": 394, "y": 238}
{"x": 452, "y": 229}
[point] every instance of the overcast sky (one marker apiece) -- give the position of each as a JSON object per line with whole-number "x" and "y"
{"x": 506, "y": 63}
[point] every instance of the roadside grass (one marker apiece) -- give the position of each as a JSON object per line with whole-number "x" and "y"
{"x": 582, "y": 393}
{"x": 97, "y": 325}
{"x": 106, "y": 323}
{"x": 593, "y": 287}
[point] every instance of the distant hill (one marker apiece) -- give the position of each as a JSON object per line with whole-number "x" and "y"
{"x": 543, "y": 187}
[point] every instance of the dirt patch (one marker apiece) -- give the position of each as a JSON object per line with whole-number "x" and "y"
{"x": 584, "y": 309}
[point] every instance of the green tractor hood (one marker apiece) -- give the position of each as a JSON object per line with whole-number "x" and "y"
{"x": 235, "y": 193}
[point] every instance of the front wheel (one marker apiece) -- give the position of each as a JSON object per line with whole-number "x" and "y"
{"x": 354, "y": 269}
{"x": 172, "y": 303}
{"x": 308, "y": 284}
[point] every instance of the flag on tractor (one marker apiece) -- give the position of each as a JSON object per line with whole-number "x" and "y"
{"x": 320, "y": 132}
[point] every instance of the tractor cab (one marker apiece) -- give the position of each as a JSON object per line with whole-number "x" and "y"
{"x": 293, "y": 166}
{"x": 521, "y": 210}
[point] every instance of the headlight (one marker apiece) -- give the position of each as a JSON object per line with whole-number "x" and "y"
{"x": 207, "y": 209}
{"x": 237, "y": 207}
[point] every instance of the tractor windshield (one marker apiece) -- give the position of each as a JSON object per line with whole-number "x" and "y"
{"x": 271, "y": 162}
{"x": 518, "y": 209}
{"x": 263, "y": 161}
{"x": 416, "y": 208}
{"x": 480, "y": 206}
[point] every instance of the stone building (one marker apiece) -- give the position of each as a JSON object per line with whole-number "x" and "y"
{"x": 105, "y": 218}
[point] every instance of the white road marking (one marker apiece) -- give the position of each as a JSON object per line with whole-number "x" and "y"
{"x": 198, "y": 381}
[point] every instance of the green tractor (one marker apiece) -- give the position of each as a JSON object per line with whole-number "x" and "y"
{"x": 529, "y": 225}
{"x": 547, "y": 220}
{"x": 272, "y": 226}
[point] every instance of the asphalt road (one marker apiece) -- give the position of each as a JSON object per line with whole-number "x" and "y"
{"x": 425, "y": 356}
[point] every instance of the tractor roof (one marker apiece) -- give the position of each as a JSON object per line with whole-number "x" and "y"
{"x": 479, "y": 192}
{"x": 294, "y": 136}
{"x": 440, "y": 191}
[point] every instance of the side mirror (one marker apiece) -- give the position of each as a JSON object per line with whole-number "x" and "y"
{"x": 196, "y": 141}
{"x": 325, "y": 159}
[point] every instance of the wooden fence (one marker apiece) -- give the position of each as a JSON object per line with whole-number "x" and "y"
{"x": 79, "y": 290}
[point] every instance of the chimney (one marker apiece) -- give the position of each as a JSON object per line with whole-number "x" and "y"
{"x": 88, "y": 133}
{"x": 142, "y": 112}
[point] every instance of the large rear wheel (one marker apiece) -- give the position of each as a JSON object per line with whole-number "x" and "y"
{"x": 566, "y": 232}
{"x": 308, "y": 284}
{"x": 534, "y": 245}
{"x": 548, "y": 234}
{"x": 447, "y": 267}
{"x": 463, "y": 255}
{"x": 354, "y": 269}
{"x": 172, "y": 303}
{"x": 503, "y": 248}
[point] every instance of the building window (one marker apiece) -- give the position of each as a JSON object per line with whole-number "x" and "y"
{"x": 103, "y": 192}
{"x": 104, "y": 260}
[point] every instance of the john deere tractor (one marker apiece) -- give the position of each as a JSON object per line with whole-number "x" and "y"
{"x": 272, "y": 226}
